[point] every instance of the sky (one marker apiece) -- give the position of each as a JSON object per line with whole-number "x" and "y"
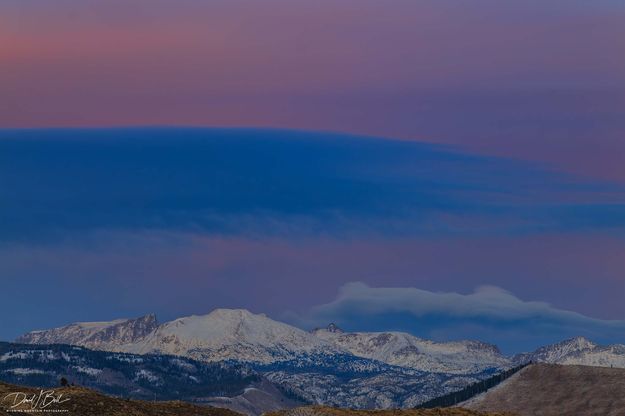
{"x": 295, "y": 157}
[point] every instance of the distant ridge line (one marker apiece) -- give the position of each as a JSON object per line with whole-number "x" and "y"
{"x": 472, "y": 390}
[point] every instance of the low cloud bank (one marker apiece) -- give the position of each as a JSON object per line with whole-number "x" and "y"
{"x": 489, "y": 313}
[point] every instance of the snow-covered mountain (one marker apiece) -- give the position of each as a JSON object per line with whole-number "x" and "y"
{"x": 95, "y": 335}
{"x": 577, "y": 351}
{"x": 324, "y": 366}
{"x": 405, "y": 350}
{"x": 231, "y": 334}
{"x": 223, "y": 334}
{"x": 239, "y": 335}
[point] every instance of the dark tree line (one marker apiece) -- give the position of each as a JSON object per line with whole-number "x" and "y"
{"x": 178, "y": 377}
{"x": 452, "y": 399}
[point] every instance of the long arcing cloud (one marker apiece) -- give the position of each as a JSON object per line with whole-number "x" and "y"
{"x": 268, "y": 182}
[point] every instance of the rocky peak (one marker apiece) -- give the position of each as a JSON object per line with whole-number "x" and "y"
{"x": 129, "y": 331}
{"x": 334, "y": 329}
{"x": 331, "y": 329}
{"x": 578, "y": 343}
{"x": 570, "y": 351}
{"x": 482, "y": 346}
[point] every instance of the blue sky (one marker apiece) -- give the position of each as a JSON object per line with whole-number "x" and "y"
{"x": 102, "y": 223}
{"x": 432, "y": 147}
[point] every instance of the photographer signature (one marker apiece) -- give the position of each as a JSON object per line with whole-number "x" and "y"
{"x": 41, "y": 400}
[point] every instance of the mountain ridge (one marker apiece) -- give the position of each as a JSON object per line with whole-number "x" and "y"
{"x": 97, "y": 335}
{"x": 555, "y": 390}
{"x": 577, "y": 351}
{"x": 406, "y": 350}
{"x": 238, "y": 334}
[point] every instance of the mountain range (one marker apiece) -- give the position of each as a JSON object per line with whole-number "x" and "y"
{"x": 326, "y": 366}
{"x": 237, "y": 334}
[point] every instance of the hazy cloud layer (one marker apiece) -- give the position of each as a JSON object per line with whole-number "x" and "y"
{"x": 111, "y": 275}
